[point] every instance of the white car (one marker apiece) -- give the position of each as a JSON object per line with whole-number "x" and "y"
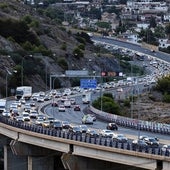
{"x": 6, "y": 113}
{"x": 26, "y": 116}
{"x": 67, "y": 103}
{"x": 106, "y": 133}
{"x": 33, "y": 114}
{"x": 61, "y": 108}
{"x": 119, "y": 90}
{"x": 87, "y": 119}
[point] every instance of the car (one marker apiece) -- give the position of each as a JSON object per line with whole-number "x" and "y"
{"x": 106, "y": 133}
{"x": 13, "y": 106}
{"x": 165, "y": 148}
{"x": 40, "y": 99}
{"x": 119, "y": 90}
{"x": 41, "y": 116}
{"x": 61, "y": 108}
{"x": 86, "y": 119}
{"x": 67, "y": 103}
{"x": 15, "y": 112}
{"x": 83, "y": 128}
{"x": 22, "y": 100}
{"x": 57, "y": 124}
{"x": 112, "y": 126}
{"x": 145, "y": 136}
{"x": 26, "y": 116}
{"x": 67, "y": 92}
{"x": 27, "y": 107}
{"x": 51, "y": 119}
{"x": 58, "y": 94}
{"x": 139, "y": 143}
{"x": 73, "y": 101}
{"x": 64, "y": 98}
{"x": 92, "y": 133}
{"x": 18, "y": 103}
{"x": 75, "y": 129}
{"x": 47, "y": 97}
{"x": 32, "y": 104}
{"x": 119, "y": 138}
{"x": 46, "y": 123}
{"x": 33, "y": 114}
{"x": 18, "y": 118}
{"x": 77, "y": 108}
{"x": 54, "y": 104}
{"x": 39, "y": 121}
{"x": 93, "y": 116}
{"x": 142, "y": 137}
{"x": 6, "y": 113}
{"x": 151, "y": 141}
{"x": 65, "y": 124}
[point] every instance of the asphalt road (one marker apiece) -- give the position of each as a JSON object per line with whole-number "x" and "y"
{"x": 134, "y": 47}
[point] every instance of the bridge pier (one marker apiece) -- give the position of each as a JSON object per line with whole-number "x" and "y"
{"x": 23, "y": 156}
{"x": 40, "y": 163}
{"x": 12, "y": 161}
{"x": 166, "y": 165}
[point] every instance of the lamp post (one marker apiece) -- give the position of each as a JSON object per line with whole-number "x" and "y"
{"x": 7, "y": 74}
{"x": 22, "y": 68}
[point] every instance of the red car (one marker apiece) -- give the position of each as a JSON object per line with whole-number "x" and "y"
{"x": 77, "y": 108}
{"x": 54, "y": 104}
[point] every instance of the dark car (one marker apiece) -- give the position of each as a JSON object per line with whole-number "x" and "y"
{"x": 77, "y": 108}
{"x": 112, "y": 126}
{"x": 92, "y": 133}
{"x": 151, "y": 142}
{"x": 65, "y": 124}
{"x": 75, "y": 129}
{"x": 57, "y": 124}
{"x": 54, "y": 104}
{"x": 139, "y": 143}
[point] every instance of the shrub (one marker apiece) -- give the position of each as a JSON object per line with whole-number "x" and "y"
{"x": 63, "y": 63}
{"x": 166, "y": 98}
{"x": 77, "y": 52}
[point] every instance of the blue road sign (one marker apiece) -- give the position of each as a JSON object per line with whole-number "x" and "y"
{"x": 88, "y": 83}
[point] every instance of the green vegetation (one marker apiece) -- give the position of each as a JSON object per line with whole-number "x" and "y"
{"x": 107, "y": 103}
{"x": 78, "y": 53}
{"x": 62, "y": 63}
{"x": 163, "y": 85}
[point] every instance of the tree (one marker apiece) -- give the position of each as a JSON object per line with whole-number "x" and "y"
{"x": 152, "y": 22}
{"x": 167, "y": 30}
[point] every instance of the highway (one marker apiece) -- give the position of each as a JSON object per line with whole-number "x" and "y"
{"x": 134, "y": 47}
{"x": 76, "y": 116}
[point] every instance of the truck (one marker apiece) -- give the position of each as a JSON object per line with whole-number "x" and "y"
{"x": 24, "y": 92}
{"x": 86, "y": 97}
{"x": 2, "y": 105}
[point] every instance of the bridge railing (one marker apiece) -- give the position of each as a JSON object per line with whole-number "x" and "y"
{"x": 154, "y": 127}
{"x": 108, "y": 142}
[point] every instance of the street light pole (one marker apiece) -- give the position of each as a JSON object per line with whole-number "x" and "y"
{"x": 22, "y": 69}
{"x": 8, "y": 73}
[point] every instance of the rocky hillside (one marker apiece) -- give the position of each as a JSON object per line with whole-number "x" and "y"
{"x": 25, "y": 30}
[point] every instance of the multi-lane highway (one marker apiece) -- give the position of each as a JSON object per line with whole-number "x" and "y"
{"x": 134, "y": 47}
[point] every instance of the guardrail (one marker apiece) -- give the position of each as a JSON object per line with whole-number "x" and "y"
{"x": 103, "y": 141}
{"x": 132, "y": 123}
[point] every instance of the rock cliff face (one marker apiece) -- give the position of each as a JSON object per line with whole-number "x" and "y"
{"x": 60, "y": 41}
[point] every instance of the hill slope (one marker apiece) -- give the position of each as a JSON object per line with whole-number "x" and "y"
{"x": 24, "y": 31}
